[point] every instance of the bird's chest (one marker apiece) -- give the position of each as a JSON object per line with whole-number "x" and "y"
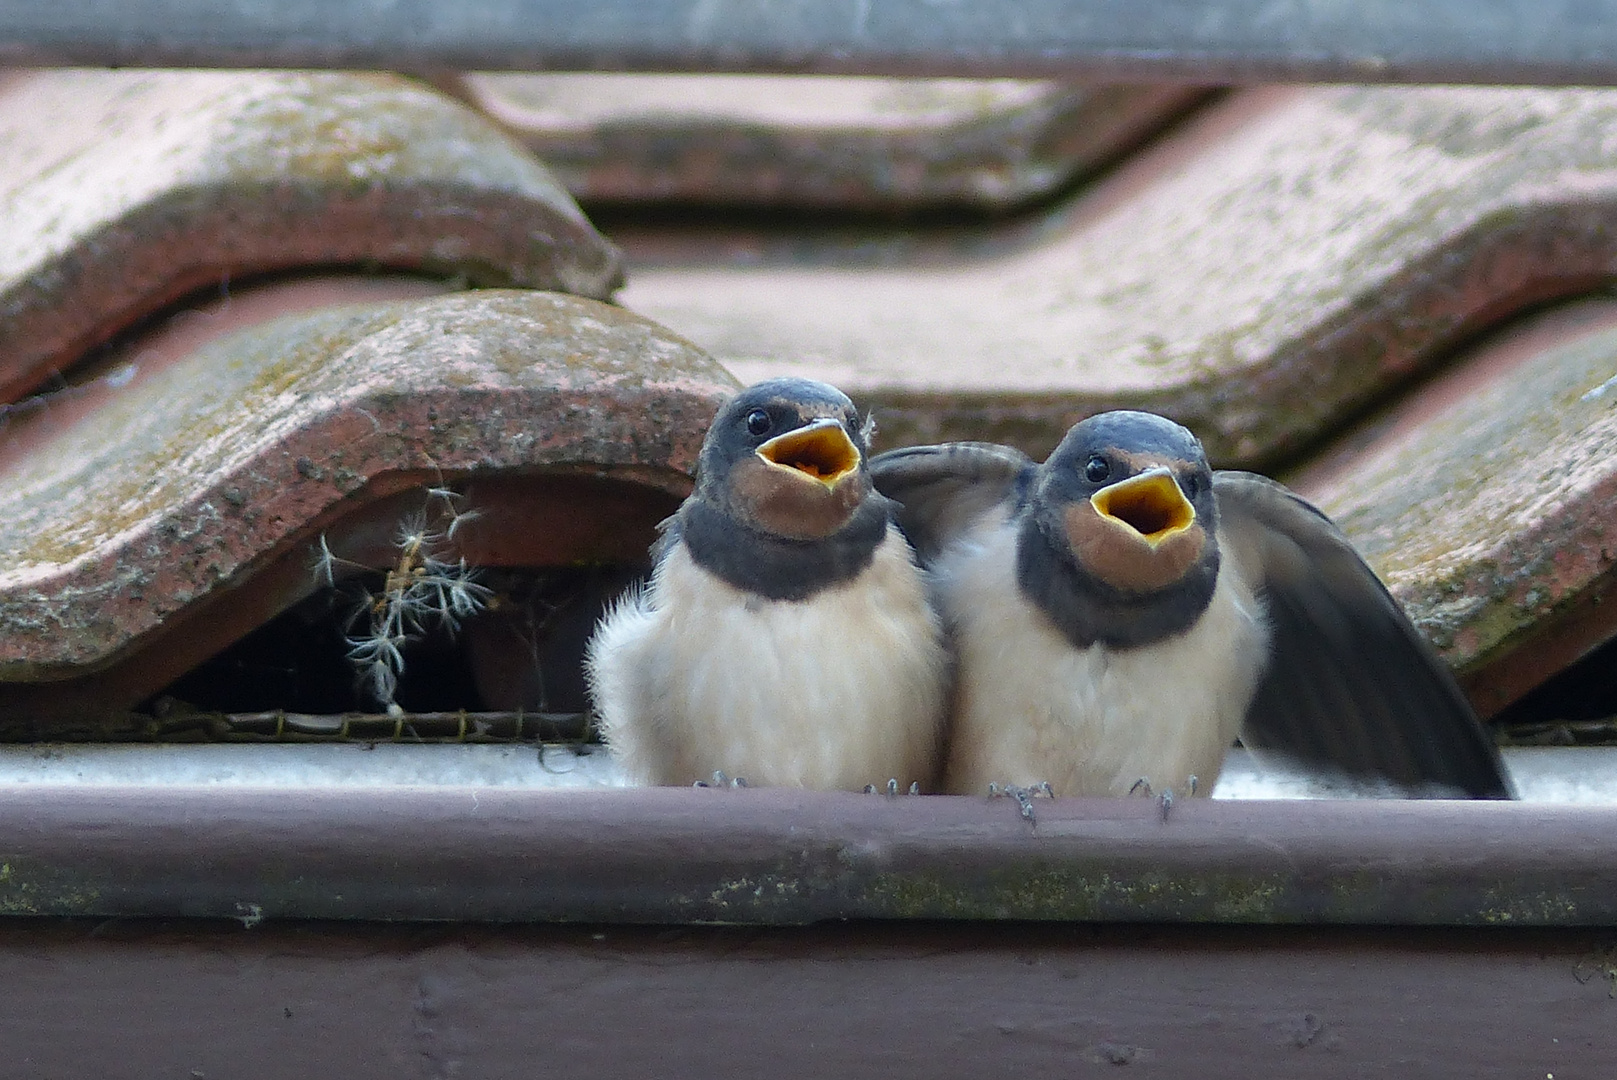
{"x": 1091, "y": 721}
{"x": 1104, "y": 717}
{"x": 815, "y": 692}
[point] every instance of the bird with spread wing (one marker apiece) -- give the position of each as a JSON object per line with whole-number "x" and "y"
{"x": 1122, "y": 613}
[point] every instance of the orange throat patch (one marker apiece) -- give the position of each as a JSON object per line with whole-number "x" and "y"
{"x": 1138, "y": 535}
{"x": 803, "y": 485}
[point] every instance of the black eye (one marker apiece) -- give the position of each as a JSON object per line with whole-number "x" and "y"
{"x": 1097, "y": 469}
{"x": 758, "y": 422}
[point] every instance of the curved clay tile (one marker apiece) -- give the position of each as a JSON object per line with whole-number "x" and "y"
{"x": 856, "y": 143}
{"x": 124, "y": 191}
{"x": 1488, "y": 500}
{"x": 1262, "y": 273}
{"x": 187, "y": 484}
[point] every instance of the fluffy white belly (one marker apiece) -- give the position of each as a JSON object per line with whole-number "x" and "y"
{"x": 1030, "y": 707}
{"x": 840, "y": 690}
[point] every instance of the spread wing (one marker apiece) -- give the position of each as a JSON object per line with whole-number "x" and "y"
{"x": 942, "y": 489}
{"x": 1351, "y": 684}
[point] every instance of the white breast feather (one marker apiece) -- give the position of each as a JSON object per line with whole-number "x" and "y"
{"x": 844, "y": 689}
{"x": 1030, "y": 707}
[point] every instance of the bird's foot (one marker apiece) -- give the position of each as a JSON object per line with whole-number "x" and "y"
{"x": 720, "y": 780}
{"x": 1024, "y": 797}
{"x": 1165, "y": 797}
{"x": 891, "y": 788}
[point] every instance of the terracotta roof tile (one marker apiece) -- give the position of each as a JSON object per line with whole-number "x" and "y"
{"x": 1264, "y": 273}
{"x": 124, "y": 191}
{"x": 849, "y": 143}
{"x": 1488, "y": 499}
{"x": 1261, "y": 273}
{"x": 184, "y": 483}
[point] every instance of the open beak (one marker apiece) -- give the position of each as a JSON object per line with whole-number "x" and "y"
{"x": 1150, "y": 504}
{"x": 820, "y": 451}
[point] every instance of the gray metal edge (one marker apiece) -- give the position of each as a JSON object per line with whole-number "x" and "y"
{"x": 1481, "y": 41}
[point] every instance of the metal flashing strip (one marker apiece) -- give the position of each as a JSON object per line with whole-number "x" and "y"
{"x": 784, "y": 857}
{"x": 415, "y": 755}
{"x": 1482, "y": 41}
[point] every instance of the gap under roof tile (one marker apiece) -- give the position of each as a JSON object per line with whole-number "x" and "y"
{"x": 848, "y": 143}
{"x": 1262, "y": 273}
{"x": 173, "y": 503}
{"x": 124, "y": 191}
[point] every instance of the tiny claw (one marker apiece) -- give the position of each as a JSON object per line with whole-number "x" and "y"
{"x": 701, "y": 783}
{"x": 740, "y": 781}
{"x": 870, "y": 789}
{"x": 915, "y": 787}
{"x": 1165, "y": 800}
{"x": 892, "y": 786}
{"x": 1022, "y": 795}
{"x": 1190, "y": 781}
{"x": 1043, "y": 787}
{"x": 719, "y": 779}
{"x": 1142, "y": 782}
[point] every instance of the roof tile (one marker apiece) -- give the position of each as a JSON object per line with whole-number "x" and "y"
{"x": 124, "y": 191}
{"x": 805, "y": 141}
{"x": 1262, "y": 273}
{"x": 1487, "y": 500}
{"x": 185, "y": 484}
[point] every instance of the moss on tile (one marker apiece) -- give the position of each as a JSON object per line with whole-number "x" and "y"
{"x": 1501, "y": 507}
{"x": 137, "y": 483}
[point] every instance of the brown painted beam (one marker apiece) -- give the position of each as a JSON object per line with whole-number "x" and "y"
{"x": 665, "y": 855}
{"x": 210, "y": 1000}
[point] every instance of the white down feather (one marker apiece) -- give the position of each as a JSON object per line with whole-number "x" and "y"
{"x": 1031, "y": 707}
{"x": 841, "y": 690}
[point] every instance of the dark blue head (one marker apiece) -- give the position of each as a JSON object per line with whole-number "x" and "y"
{"x": 783, "y": 503}
{"x": 1111, "y": 447}
{"x": 1119, "y": 539}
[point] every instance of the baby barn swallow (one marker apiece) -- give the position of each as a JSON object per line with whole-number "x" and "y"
{"x": 786, "y": 635}
{"x": 1122, "y": 612}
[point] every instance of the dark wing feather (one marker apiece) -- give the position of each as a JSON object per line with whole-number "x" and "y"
{"x": 1351, "y": 684}
{"x": 942, "y": 489}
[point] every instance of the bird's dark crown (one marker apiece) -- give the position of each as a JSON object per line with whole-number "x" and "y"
{"x": 1130, "y": 570}
{"x": 1128, "y": 442}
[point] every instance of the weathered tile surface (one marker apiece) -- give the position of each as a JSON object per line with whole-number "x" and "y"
{"x": 851, "y": 143}
{"x": 124, "y": 191}
{"x": 1264, "y": 271}
{"x": 1488, "y": 500}
{"x": 186, "y": 482}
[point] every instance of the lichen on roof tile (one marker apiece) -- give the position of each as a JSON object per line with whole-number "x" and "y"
{"x": 125, "y": 190}
{"x": 175, "y": 484}
{"x": 1261, "y": 273}
{"x": 1488, "y": 500}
